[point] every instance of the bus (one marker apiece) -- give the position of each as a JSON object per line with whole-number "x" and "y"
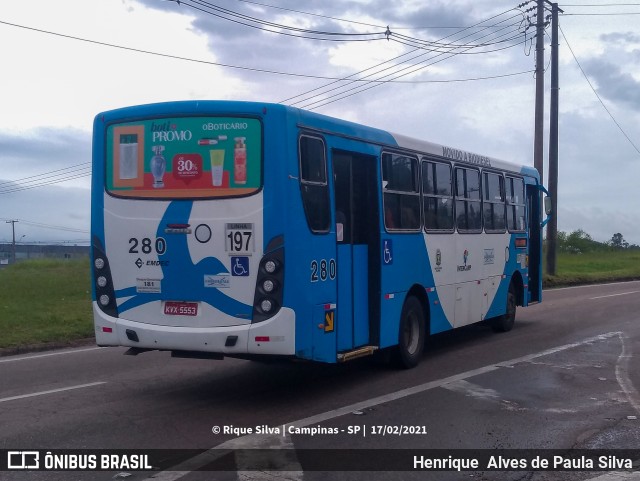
{"x": 259, "y": 231}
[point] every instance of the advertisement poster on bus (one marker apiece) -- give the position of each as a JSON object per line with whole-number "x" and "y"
{"x": 184, "y": 157}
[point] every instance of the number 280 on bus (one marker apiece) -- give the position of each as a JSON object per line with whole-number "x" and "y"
{"x": 256, "y": 230}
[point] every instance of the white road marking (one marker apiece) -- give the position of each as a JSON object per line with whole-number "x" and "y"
{"x": 51, "y": 391}
{"x": 37, "y": 356}
{"x": 614, "y": 295}
{"x": 622, "y": 374}
{"x": 589, "y": 285}
{"x": 265, "y": 440}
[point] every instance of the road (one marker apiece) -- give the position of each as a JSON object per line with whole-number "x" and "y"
{"x": 565, "y": 377}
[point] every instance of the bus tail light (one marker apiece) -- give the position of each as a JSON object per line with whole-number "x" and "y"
{"x": 521, "y": 242}
{"x": 103, "y": 283}
{"x": 268, "y": 296}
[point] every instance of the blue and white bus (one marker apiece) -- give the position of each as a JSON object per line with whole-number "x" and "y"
{"x": 257, "y": 230}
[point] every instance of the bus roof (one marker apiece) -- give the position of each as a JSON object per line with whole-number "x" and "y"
{"x": 372, "y": 134}
{"x": 315, "y": 121}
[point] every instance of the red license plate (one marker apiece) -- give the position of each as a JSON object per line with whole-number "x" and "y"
{"x": 176, "y": 308}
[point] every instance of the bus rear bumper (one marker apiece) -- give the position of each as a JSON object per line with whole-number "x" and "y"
{"x": 275, "y": 336}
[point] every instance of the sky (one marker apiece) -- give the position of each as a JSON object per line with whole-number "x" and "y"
{"x": 63, "y": 62}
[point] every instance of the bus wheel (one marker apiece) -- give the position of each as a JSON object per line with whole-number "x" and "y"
{"x": 505, "y": 322}
{"x": 411, "y": 337}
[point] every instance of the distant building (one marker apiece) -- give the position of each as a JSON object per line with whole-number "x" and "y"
{"x": 41, "y": 251}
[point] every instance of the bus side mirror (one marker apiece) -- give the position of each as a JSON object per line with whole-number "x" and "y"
{"x": 547, "y": 206}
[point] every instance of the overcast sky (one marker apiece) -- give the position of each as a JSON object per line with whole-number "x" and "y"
{"x": 52, "y": 86}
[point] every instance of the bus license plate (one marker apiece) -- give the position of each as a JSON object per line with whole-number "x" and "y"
{"x": 176, "y": 308}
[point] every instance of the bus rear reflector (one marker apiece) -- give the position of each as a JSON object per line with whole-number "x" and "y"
{"x": 262, "y": 339}
{"x": 521, "y": 242}
{"x": 107, "y": 329}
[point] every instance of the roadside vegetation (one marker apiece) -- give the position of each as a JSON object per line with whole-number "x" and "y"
{"x": 49, "y": 301}
{"x": 45, "y": 300}
{"x": 582, "y": 260}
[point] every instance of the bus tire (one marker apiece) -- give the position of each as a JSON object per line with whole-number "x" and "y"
{"x": 505, "y": 322}
{"x": 412, "y": 334}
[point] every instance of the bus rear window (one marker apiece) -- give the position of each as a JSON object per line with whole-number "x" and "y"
{"x": 184, "y": 158}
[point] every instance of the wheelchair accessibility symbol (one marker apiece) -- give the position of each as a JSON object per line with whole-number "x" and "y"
{"x": 387, "y": 252}
{"x": 240, "y": 266}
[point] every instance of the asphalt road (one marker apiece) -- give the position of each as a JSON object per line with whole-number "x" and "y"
{"x": 565, "y": 377}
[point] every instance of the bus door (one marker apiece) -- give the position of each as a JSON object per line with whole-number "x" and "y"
{"x": 357, "y": 237}
{"x": 535, "y": 240}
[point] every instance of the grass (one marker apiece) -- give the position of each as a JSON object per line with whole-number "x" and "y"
{"x": 45, "y": 301}
{"x": 597, "y": 266}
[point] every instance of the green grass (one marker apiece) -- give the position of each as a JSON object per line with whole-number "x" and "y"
{"x": 597, "y": 266}
{"x": 45, "y": 301}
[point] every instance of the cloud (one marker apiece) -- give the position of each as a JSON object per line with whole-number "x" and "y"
{"x": 622, "y": 38}
{"x": 43, "y": 149}
{"x": 614, "y": 84}
{"x": 600, "y": 223}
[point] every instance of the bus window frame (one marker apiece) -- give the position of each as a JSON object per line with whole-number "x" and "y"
{"x": 501, "y": 175}
{"x": 522, "y": 204}
{"x": 425, "y": 160}
{"x": 324, "y": 184}
{"x": 417, "y": 184}
{"x": 457, "y": 198}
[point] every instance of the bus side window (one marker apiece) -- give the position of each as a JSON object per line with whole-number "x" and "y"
{"x": 401, "y": 192}
{"x": 438, "y": 196}
{"x": 468, "y": 203}
{"x": 313, "y": 183}
{"x": 494, "y": 213}
{"x": 516, "y": 218}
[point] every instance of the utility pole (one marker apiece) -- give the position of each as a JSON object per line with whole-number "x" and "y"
{"x": 538, "y": 143}
{"x": 13, "y": 228}
{"x": 552, "y": 226}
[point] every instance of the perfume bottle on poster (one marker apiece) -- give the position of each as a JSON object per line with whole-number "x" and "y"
{"x": 128, "y": 156}
{"x": 158, "y": 166}
{"x": 240, "y": 161}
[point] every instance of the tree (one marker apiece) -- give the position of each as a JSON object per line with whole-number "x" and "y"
{"x": 617, "y": 241}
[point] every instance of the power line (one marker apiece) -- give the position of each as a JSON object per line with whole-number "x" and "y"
{"x": 187, "y": 59}
{"x": 351, "y": 78}
{"x": 396, "y": 74}
{"x": 429, "y": 27}
{"x": 599, "y": 14}
{"x": 48, "y": 226}
{"x": 44, "y": 176}
{"x": 165, "y": 55}
{"x": 435, "y": 50}
{"x": 596, "y": 93}
{"x": 277, "y": 28}
{"x": 408, "y": 70}
{"x": 308, "y": 13}
{"x": 47, "y": 178}
{"x": 600, "y": 5}
{"x": 20, "y": 187}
